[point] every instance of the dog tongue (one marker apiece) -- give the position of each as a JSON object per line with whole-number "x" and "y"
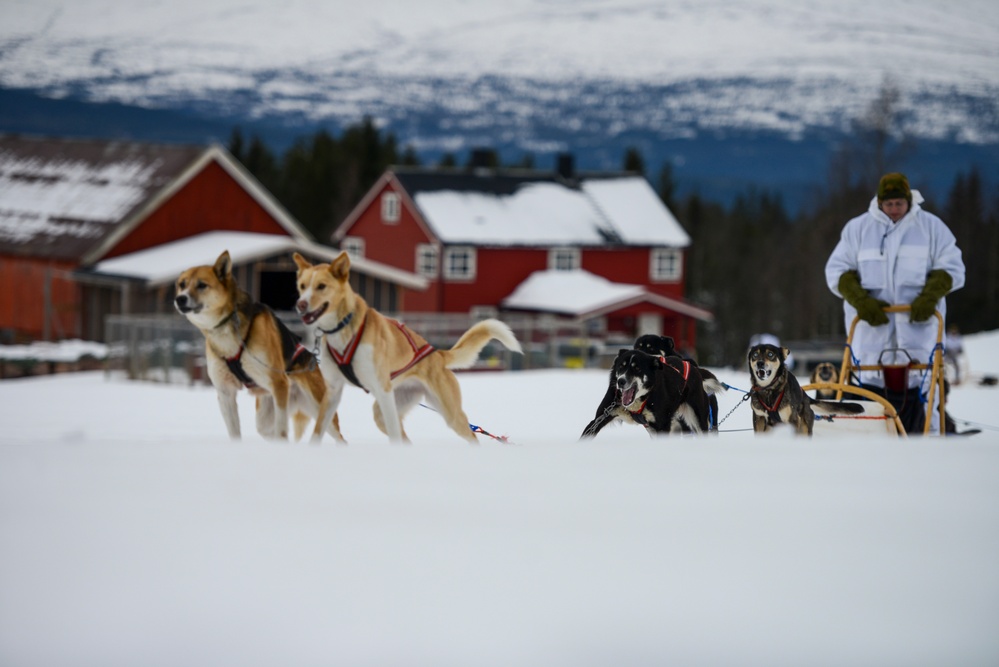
{"x": 629, "y": 395}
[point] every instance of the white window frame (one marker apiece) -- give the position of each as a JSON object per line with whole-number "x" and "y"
{"x": 564, "y": 259}
{"x": 391, "y": 208}
{"x": 659, "y": 258}
{"x": 466, "y": 275}
{"x": 353, "y": 245}
{"x": 428, "y": 260}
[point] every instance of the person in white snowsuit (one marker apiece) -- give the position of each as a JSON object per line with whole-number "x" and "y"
{"x": 895, "y": 254}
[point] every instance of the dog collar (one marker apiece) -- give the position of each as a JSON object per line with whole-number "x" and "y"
{"x": 340, "y": 325}
{"x": 225, "y": 319}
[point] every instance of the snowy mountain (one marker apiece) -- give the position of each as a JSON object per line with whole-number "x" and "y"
{"x": 532, "y": 75}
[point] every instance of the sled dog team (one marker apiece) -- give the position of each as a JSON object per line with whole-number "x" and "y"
{"x": 247, "y": 346}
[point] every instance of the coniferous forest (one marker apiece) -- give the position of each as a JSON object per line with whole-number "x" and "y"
{"x": 757, "y": 267}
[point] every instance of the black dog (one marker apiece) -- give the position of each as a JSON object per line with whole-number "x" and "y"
{"x": 660, "y": 393}
{"x": 778, "y": 398}
{"x": 663, "y": 346}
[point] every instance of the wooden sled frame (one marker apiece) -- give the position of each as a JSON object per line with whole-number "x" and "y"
{"x": 936, "y": 369}
{"x": 840, "y": 389}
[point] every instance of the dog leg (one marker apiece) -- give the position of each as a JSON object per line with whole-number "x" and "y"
{"x": 387, "y": 416}
{"x": 759, "y": 423}
{"x": 230, "y": 412}
{"x": 281, "y": 392}
{"x": 326, "y": 417}
{"x": 265, "y": 416}
{"x": 446, "y": 392}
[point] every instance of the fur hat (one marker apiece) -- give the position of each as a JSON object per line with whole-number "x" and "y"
{"x": 894, "y": 186}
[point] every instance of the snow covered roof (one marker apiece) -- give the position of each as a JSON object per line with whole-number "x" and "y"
{"x": 73, "y": 199}
{"x": 582, "y": 294}
{"x": 490, "y": 208}
{"x": 162, "y": 264}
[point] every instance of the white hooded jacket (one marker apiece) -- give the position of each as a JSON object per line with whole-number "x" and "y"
{"x": 893, "y": 260}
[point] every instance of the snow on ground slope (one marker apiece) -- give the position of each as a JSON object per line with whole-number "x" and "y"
{"x": 133, "y": 532}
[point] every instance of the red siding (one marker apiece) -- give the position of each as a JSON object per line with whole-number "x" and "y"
{"x": 22, "y": 301}
{"x": 390, "y": 243}
{"x": 629, "y": 266}
{"x": 210, "y": 201}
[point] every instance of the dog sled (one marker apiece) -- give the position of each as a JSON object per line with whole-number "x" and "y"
{"x": 894, "y": 366}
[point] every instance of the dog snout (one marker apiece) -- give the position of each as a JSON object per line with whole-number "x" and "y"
{"x": 181, "y": 300}
{"x": 302, "y": 306}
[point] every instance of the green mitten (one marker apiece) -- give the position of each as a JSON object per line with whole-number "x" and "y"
{"x": 868, "y": 308}
{"x": 938, "y": 284}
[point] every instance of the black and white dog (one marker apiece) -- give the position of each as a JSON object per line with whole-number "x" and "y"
{"x": 664, "y": 346}
{"x": 776, "y": 396}
{"x": 663, "y": 394}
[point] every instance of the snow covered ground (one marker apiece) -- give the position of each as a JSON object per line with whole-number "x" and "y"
{"x": 132, "y": 532}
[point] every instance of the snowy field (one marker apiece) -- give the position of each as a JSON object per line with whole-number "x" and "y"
{"x": 134, "y": 533}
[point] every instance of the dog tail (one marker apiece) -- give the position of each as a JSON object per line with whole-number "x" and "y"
{"x": 467, "y": 349}
{"x": 836, "y": 408}
{"x": 712, "y": 385}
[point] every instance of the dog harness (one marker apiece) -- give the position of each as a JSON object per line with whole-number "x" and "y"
{"x": 771, "y": 409}
{"x": 345, "y": 360}
{"x": 637, "y": 414}
{"x": 296, "y": 356}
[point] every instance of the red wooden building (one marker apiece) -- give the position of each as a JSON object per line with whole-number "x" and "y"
{"x": 478, "y": 236}
{"x": 67, "y": 206}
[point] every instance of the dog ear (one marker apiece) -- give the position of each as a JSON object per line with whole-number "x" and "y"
{"x": 223, "y": 266}
{"x": 340, "y": 267}
{"x": 301, "y": 262}
{"x": 784, "y": 353}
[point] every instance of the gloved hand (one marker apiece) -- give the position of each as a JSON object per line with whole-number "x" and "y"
{"x": 868, "y": 308}
{"x": 938, "y": 284}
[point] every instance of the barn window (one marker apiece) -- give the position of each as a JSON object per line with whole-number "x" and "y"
{"x": 666, "y": 265}
{"x": 354, "y": 245}
{"x": 563, "y": 259}
{"x": 390, "y": 208}
{"x": 427, "y": 260}
{"x": 459, "y": 263}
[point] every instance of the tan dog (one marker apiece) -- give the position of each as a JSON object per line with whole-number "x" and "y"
{"x": 246, "y": 345}
{"x": 362, "y": 346}
{"x": 825, "y": 372}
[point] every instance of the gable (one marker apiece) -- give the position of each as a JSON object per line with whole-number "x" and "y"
{"x": 209, "y": 200}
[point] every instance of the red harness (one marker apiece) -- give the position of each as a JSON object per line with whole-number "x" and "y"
{"x": 776, "y": 404}
{"x": 345, "y": 360}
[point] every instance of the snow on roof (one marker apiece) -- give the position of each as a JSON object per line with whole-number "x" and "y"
{"x": 636, "y": 211}
{"x": 162, "y": 264}
{"x": 59, "y": 198}
{"x": 617, "y": 210}
{"x": 580, "y": 293}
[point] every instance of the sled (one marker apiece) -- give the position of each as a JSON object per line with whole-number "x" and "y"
{"x": 936, "y": 368}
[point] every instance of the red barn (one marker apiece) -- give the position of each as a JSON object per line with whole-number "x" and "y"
{"x": 480, "y": 237}
{"x": 67, "y": 206}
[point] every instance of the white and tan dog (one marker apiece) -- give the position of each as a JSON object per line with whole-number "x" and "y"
{"x": 382, "y": 356}
{"x": 246, "y": 345}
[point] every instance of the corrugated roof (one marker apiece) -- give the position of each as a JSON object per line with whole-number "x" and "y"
{"x": 60, "y": 198}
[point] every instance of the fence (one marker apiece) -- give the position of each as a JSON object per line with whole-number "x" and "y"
{"x": 167, "y": 348}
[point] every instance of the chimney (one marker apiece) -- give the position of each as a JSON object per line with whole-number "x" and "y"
{"x": 564, "y": 166}
{"x": 481, "y": 159}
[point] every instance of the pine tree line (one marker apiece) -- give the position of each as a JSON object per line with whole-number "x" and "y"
{"x": 757, "y": 268}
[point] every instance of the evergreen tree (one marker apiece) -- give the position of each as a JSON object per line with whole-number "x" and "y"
{"x": 633, "y": 161}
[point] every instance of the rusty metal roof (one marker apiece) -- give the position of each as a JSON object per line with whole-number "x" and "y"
{"x": 60, "y": 198}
